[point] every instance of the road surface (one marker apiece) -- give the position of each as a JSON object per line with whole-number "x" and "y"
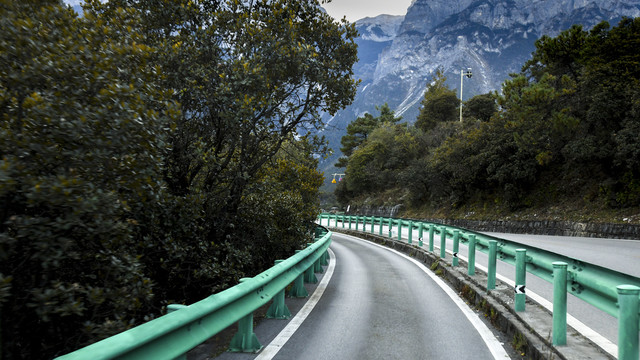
{"x": 380, "y": 304}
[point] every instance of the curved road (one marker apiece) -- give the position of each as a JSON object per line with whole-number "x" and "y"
{"x": 620, "y": 255}
{"x": 383, "y": 305}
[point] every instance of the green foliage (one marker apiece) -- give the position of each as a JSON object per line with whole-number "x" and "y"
{"x": 383, "y": 147}
{"x": 359, "y": 129}
{"x": 83, "y": 125}
{"x": 480, "y": 107}
{"x": 440, "y": 104}
{"x": 568, "y": 122}
{"x": 147, "y": 155}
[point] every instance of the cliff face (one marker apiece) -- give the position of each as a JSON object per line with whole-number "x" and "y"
{"x": 492, "y": 37}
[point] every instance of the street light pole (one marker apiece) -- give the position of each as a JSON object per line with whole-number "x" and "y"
{"x": 462, "y": 74}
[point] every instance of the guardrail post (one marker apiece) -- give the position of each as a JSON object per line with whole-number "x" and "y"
{"x": 628, "y": 322}
{"x": 410, "y": 238}
{"x": 420, "y": 233}
{"x": 310, "y": 276}
{"x": 317, "y": 265}
{"x": 431, "y": 230}
{"x": 373, "y": 224}
{"x": 456, "y": 247}
{"x": 310, "y": 273}
{"x": 324, "y": 259}
{"x": 245, "y": 340}
{"x": 399, "y": 229}
{"x": 390, "y": 227}
{"x": 443, "y": 242}
{"x": 560, "y": 303}
{"x": 342, "y": 221}
{"x": 380, "y": 229}
{"x": 491, "y": 276}
{"x": 298, "y": 290}
{"x": 471, "y": 265}
{"x": 521, "y": 279}
{"x": 171, "y": 308}
{"x": 357, "y": 221}
{"x": 278, "y": 308}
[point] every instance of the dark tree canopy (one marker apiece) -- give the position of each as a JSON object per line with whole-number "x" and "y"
{"x": 154, "y": 152}
{"x": 440, "y": 104}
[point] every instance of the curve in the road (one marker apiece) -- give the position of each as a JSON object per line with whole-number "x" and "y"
{"x": 382, "y": 306}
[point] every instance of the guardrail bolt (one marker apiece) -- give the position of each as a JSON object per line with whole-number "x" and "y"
{"x": 491, "y": 275}
{"x": 628, "y": 322}
{"x": 245, "y": 340}
{"x": 560, "y": 303}
{"x": 521, "y": 279}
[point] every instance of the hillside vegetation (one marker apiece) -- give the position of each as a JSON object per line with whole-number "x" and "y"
{"x": 561, "y": 140}
{"x": 150, "y": 153}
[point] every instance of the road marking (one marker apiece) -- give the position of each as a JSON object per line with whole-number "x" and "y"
{"x": 495, "y": 347}
{"x": 601, "y": 341}
{"x": 604, "y": 343}
{"x": 281, "y": 339}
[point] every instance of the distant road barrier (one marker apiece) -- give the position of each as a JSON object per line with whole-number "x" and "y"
{"x": 611, "y": 291}
{"x": 185, "y": 327}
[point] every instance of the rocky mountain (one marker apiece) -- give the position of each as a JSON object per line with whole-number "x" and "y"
{"x": 399, "y": 55}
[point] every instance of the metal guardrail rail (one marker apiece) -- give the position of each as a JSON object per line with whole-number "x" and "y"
{"x": 172, "y": 335}
{"x": 611, "y": 291}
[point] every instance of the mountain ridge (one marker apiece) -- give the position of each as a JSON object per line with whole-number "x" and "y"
{"x": 492, "y": 37}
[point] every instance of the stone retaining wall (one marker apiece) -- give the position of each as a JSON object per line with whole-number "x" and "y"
{"x": 542, "y": 227}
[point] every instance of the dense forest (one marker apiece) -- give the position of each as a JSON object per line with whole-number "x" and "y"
{"x": 561, "y": 133}
{"x": 153, "y": 152}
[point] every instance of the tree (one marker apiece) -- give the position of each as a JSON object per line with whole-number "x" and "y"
{"x": 480, "y": 107}
{"x": 84, "y": 122}
{"x": 377, "y": 164}
{"x": 248, "y": 75}
{"x": 359, "y": 129}
{"x": 440, "y": 104}
{"x": 136, "y": 139}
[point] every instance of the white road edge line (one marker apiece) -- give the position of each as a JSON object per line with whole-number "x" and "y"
{"x": 601, "y": 341}
{"x": 495, "y": 347}
{"x": 604, "y": 343}
{"x": 281, "y": 339}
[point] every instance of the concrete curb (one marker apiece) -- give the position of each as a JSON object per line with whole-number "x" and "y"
{"x": 530, "y": 331}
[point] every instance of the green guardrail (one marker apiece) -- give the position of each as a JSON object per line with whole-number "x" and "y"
{"x": 611, "y": 291}
{"x": 185, "y": 327}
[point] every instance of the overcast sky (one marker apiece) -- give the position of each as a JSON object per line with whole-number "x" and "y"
{"x": 358, "y": 9}
{"x": 352, "y": 9}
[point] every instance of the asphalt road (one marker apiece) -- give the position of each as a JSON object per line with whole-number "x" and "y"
{"x": 381, "y": 305}
{"x": 616, "y": 254}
